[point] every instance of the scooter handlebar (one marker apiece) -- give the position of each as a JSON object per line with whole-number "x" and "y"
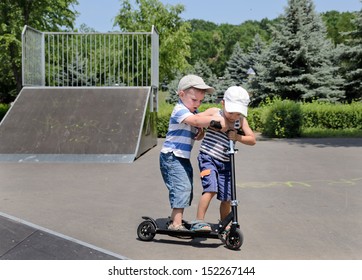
{"x": 215, "y": 124}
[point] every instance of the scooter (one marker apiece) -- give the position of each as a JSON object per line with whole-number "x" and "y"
{"x": 232, "y": 236}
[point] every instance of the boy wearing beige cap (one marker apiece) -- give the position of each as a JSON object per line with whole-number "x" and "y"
{"x": 214, "y": 161}
{"x": 175, "y": 164}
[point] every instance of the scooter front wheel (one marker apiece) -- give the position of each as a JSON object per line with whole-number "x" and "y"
{"x": 146, "y": 231}
{"x": 234, "y": 239}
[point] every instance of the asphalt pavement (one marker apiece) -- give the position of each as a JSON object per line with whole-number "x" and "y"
{"x": 298, "y": 199}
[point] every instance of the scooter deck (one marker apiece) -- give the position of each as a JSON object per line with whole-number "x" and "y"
{"x": 162, "y": 228}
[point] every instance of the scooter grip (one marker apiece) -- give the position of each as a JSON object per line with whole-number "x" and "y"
{"x": 215, "y": 124}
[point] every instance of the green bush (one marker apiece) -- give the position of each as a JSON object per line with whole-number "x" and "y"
{"x": 282, "y": 119}
{"x": 254, "y": 118}
{"x": 163, "y": 117}
{"x": 332, "y": 116}
{"x": 162, "y": 125}
{"x": 3, "y": 109}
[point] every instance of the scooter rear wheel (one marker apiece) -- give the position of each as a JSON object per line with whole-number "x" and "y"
{"x": 146, "y": 231}
{"x": 234, "y": 239}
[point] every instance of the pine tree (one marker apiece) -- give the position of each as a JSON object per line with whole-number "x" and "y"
{"x": 238, "y": 65}
{"x": 352, "y": 61}
{"x": 73, "y": 74}
{"x": 255, "y": 56}
{"x": 256, "y": 50}
{"x": 204, "y": 71}
{"x": 298, "y": 63}
{"x": 241, "y": 64}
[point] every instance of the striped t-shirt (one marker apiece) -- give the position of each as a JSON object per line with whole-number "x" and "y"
{"x": 216, "y": 144}
{"x": 180, "y": 136}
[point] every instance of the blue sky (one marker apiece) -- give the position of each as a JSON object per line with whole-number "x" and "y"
{"x": 100, "y": 14}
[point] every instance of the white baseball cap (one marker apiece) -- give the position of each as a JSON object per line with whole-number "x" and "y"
{"x": 236, "y": 100}
{"x": 190, "y": 81}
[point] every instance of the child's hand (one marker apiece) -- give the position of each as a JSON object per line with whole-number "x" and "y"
{"x": 232, "y": 135}
{"x": 222, "y": 122}
{"x": 200, "y": 133}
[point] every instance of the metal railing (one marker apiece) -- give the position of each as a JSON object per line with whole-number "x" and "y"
{"x": 89, "y": 59}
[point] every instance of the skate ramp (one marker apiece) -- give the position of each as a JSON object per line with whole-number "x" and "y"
{"x": 112, "y": 124}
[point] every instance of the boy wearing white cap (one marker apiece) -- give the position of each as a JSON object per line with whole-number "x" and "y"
{"x": 214, "y": 162}
{"x": 175, "y": 164}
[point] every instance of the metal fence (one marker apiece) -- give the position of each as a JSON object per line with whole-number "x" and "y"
{"x": 90, "y": 59}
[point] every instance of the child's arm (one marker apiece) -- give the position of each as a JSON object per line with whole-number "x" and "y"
{"x": 248, "y": 138}
{"x": 203, "y": 119}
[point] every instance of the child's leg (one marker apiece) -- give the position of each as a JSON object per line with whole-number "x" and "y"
{"x": 225, "y": 209}
{"x": 176, "y": 216}
{"x": 204, "y": 203}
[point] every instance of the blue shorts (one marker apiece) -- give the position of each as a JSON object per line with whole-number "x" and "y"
{"x": 177, "y": 174}
{"x": 215, "y": 176}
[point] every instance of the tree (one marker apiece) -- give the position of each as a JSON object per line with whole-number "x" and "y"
{"x": 255, "y": 56}
{"x": 201, "y": 69}
{"x": 43, "y": 15}
{"x": 298, "y": 63}
{"x": 352, "y": 60}
{"x": 206, "y": 46}
{"x": 73, "y": 74}
{"x": 336, "y": 24}
{"x": 256, "y": 50}
{"x": 214, "y": 44}
{"x": 173, "y": 32}
{"x": 238, "y": 65}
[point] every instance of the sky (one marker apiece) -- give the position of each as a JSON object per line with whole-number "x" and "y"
{"x": 100, "y": 14}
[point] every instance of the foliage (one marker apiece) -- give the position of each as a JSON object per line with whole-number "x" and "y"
{"x": 238, "y": 65}
{"x": 3, "y": 109}
{"x": 73, "y": 74}
{"x": 255, "y": 118}
{"x": 174, "y": 38}
{"x": 298, "y": 63}
{"x": 214, "y": 44}
{"x": 205, "y": 45}
{"x": 96, "y": 59}
{"x": 352, "y": 61}
{"x": 277, "y": 118}
{"x": 291, "y": 55}
{"x": 337, "y": 23}
{"x": 163, "y": 118}
{"x": 332, "y": 116}
{"x": 172, "y": 96}
{"x": 282, "y": 119}
{"x": 14, "y": 14}
{"x": 162, "y": 125}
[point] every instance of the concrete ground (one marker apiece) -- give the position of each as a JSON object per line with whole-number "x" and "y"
{"x": 299, "y": 199}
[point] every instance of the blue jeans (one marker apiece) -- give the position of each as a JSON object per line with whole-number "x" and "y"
{"x": 177, "y": 174}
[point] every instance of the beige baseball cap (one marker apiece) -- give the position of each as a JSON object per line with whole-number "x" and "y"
{"x": 190, "y": 81}
{"x": 236, "y": 100}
